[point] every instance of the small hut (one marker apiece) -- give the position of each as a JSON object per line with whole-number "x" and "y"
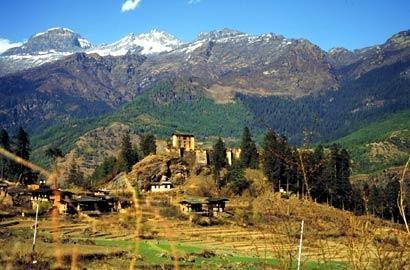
{"x": 208, "y": 206}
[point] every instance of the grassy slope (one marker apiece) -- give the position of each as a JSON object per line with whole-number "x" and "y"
{"x": 392, "y": 138}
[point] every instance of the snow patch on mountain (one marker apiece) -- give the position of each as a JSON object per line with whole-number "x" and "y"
{"x": 191, "y": 47}
{"x": 153, "y": 42}
{"x": 85, "y": 44}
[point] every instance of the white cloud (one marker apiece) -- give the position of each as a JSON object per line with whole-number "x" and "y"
{"x": 130, "y": 5}
{"x": 6, "y": 44}
{"x": 194, "y": 1}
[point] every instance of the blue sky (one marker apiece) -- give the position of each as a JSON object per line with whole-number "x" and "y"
{"x": 328, "y": 23}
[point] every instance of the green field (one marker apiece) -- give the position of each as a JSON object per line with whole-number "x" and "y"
{"x": 160, "y": 252}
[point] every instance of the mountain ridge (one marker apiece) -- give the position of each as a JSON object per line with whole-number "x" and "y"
{"x": 17, "y": 58}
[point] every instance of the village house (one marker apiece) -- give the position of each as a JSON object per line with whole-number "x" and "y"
{"x": 20, "y": 196}
{"x": 203, "y": 206}
{"x": 91, "y": 205}
{"x": 183, "y": 141}
{"x": 56, "y": 197}
{"x": 161, "y": 186}
{"x": 67, "y": 206}
{"x": 42, "y": 194}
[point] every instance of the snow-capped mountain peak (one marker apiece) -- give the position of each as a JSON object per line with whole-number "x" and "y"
{"x": 152, "y": 42}
{"x": 54, "y": 29}
{"x": 62, "y": 40}
{"x": 44, "y": 47}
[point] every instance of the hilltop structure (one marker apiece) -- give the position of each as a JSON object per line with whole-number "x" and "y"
{"x": 183, "y": 141}
{"x": 185, "y": 144}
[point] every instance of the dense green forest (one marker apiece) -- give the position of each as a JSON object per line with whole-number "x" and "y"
{"x": 177, "y": 105}
{"x": 333, "y": 114}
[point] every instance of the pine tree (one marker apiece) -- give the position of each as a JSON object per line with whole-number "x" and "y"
{"x": 107, "y": 170}
{"x": 4, "y": 162}
{"x": 337, "y": 173}
{"x": 330, "y": 174}
{"x": 296, "y": 175}
{"x": 318, "y": 186}
{"x": 75, "y": 176}
{"x": 237, "y": 181}
{"x": 147, "y": 145}
{"x": 218, "y": 157}
{"x": 284, "y": 158}
{"x": 391, "y": 193}
{"x": 22, "y": 144}
{"x": 128, "y": 155}
{"x": 375, "y": 204}
{"x": 21, "y": 149}
{"x": 249, "y": 154}
{"x": 271, "y": 161}
{"x": 343, "y": 187}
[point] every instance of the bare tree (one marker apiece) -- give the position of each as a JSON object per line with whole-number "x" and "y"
{"x": 402, "y": 196}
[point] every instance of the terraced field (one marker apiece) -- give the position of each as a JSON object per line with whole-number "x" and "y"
{"x": 143, "y": 238}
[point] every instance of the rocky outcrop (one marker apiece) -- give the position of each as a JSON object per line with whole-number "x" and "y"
{"x": 154, "y": 167}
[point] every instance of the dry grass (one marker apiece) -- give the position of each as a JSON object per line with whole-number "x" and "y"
{"x": 264, "y": 228}
{"x": 331, "y": 235}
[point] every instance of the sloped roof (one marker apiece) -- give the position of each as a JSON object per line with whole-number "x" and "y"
{"x": 202, "y": 200}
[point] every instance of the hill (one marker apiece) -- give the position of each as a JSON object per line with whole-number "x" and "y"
{"x": 380, "y": 145}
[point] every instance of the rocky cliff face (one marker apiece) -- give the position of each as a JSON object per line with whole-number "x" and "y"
{"x": 154, "y": 167}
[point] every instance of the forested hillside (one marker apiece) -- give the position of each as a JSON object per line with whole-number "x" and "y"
{"x": 333, "y": 114}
